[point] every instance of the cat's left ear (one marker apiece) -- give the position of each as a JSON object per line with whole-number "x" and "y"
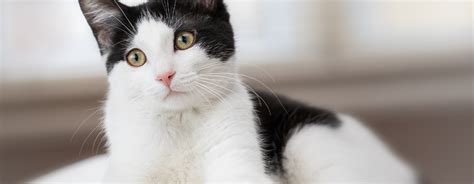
{"x": 104, "y": 16}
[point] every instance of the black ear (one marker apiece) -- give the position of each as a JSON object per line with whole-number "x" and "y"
{"x": 104, "y": 17}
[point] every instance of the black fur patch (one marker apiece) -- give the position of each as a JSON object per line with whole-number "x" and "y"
{"x": 279, "y": 118}
{"x": 208, "y": 18}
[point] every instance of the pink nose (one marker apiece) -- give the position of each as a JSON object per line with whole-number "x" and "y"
{"x": 166, "y": 78}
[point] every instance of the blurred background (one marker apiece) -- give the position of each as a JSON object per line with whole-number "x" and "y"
{"x": 403, "y": 66}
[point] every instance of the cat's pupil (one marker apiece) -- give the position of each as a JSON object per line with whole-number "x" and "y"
{"x": 184, "y": 39}
{"x": 135, "y": 57}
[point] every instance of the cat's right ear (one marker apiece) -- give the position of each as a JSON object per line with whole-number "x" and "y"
{"x": 103, "y": 16}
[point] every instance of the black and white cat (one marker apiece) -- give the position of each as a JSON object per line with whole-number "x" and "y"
{"x": 177, "y": 112}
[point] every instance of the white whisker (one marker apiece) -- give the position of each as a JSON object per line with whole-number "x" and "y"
{"x": 121, "y": 10}
{"x": 87, "y": 137}
{"x": 247, "y": 86}
{"x": 83, "y": 122}
{"x": 256, "y": 80}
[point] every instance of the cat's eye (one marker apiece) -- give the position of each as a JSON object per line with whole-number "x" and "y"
{"x": 136, "y": 58}
{"x": 184, "y": 40}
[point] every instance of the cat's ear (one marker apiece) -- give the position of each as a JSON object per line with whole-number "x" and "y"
{"x": 103, "y": 17}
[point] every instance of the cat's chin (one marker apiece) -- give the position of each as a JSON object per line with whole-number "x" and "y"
{"x": 177, "y": 101}
{"x": 174, "y": 94}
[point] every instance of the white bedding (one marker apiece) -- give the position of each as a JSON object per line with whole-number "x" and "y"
{"x": 87, "y": 171}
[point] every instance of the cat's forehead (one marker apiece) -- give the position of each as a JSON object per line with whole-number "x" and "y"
{"x": 175, "y": 13}
{"x": 153, "y": 33}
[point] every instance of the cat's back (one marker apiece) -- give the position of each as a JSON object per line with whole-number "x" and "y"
{"x": 305, "y": 144}
{"x": 279, "y": 118}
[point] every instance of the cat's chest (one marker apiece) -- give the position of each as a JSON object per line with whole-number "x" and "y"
{"x": 180, "y": 164}
{"x": 167, "y": 149}
{"x": 173, "y": 148}
{"x": 181, "y": 158}
{"x": 173, "y": 163}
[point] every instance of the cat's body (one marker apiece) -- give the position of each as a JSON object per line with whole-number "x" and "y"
{"x": 177, "y": 112}
{"x": 289, "y": 143}
{"x": 209, "y": 143}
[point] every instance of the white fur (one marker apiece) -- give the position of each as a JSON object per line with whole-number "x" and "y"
{"x": 207, "y": 132}
{"x": 350, "y": 154}
{"x": 90, "y": 171}
{"x": 133, "y": 2}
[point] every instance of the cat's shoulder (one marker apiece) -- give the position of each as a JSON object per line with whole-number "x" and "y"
{"x": 272, "y": 109}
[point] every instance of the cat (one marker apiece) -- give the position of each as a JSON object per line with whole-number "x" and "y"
{"x": 178, "y": 112}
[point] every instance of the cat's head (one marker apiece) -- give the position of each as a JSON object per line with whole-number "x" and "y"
{"x": 173, "y": 53}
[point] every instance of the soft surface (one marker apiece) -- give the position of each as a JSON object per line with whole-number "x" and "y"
{"x": 87, "y": 171}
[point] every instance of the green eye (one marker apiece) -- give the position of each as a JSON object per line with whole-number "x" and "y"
{"x": 136, "y": 58}
{"x": 184, "y": 40}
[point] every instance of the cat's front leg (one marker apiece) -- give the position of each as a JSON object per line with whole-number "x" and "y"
{"x": 122, "y": 173}
{"x": 237, "y": 166}
{"x": 348, "y": 154}
{"x": 114, "y": 175}
{"x": 235, "y": 172}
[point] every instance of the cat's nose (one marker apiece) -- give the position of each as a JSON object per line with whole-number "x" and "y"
{"x": 166, "y": 78}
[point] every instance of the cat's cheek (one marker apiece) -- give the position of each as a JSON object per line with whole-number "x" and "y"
{"x": 117, "y": 74}
{"x": 179, "y": 102}
{"x": 126, "y": 78}
{"x": 188, "y": 59}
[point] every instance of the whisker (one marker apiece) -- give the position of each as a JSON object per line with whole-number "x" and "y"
{"x": 260, "y": 99}
{"x": 265, "y": 72}
{"x": 85, "y": 140}
{"x": 83, "y": 122}
{"x": 100, "y": 145}
{"x": 174, "y": 8}
{"x": 201, "y": 94}
{"x": 121, "y": 10}
{"x": 125, "y": 40}
{"x": 258, "y": 81}
{"x": 101, "y": 133}
{"x": 116, "y": 27}
{"x": 207, "y": 66}
{"x": 215, "y": 94}
{"x": 130, "y": 32}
